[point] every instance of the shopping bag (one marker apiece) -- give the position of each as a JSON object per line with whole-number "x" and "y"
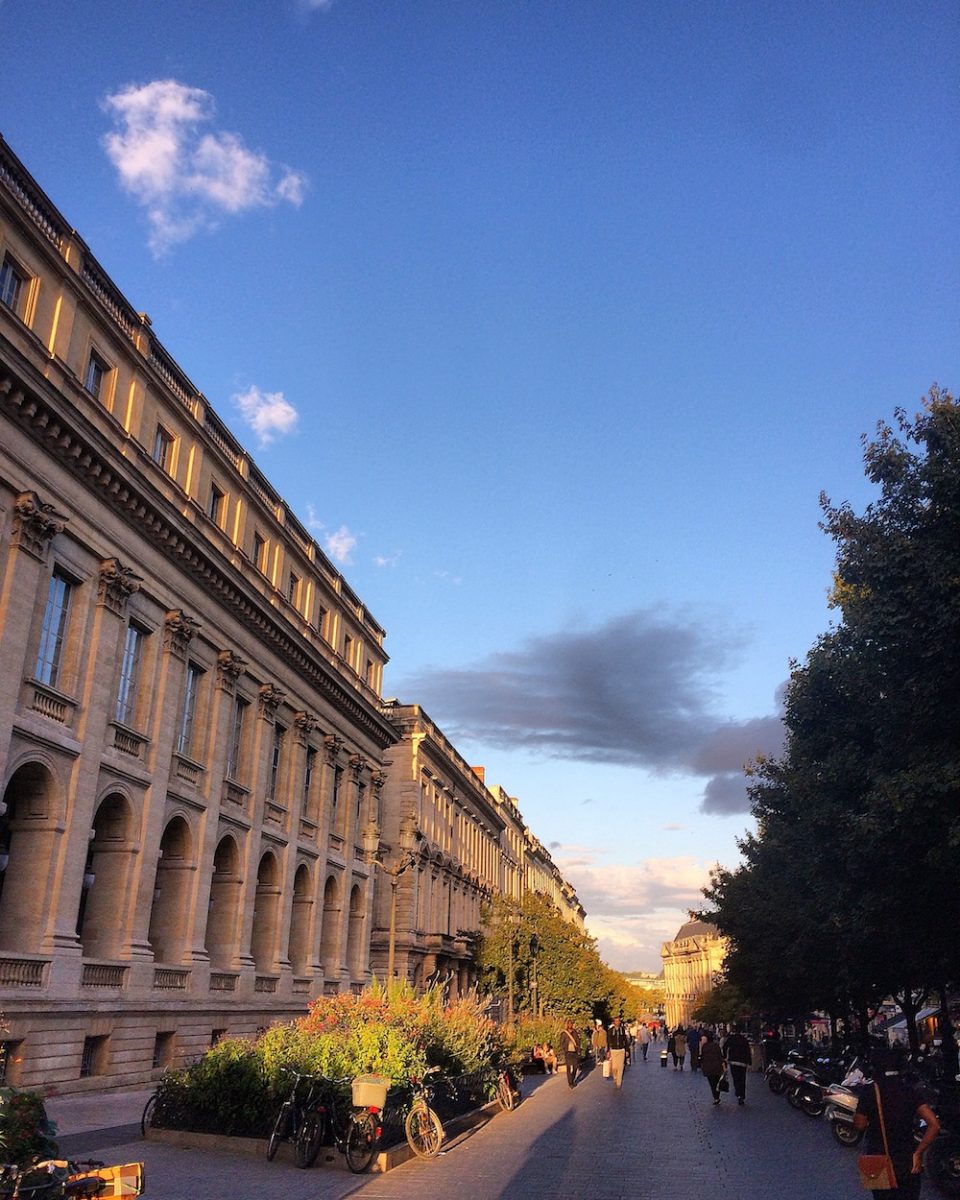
{"x": 724, "y": 1084}
{"x": 606, "y": 1068}
{"x": 876, "y": 1172}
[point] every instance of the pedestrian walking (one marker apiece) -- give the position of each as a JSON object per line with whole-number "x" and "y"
{"x": 712, "y": 1065}
{"x": 570, "y": 1049}
{"x": 644, "y": 1038}
{"x": 888, "y": 1110}
{"x": 736, "y": 1050}
{"x": 694, "y": 1038}
{"x": 598, "y": 1043}
{"x": 618, "y": 1041}
{"x": 680, "y": 1047}
{"x": 672, "y": 1049}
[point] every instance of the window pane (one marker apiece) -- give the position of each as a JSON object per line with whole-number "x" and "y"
{"x": 96, "y": 369}
{"x": 185, "y": 736}
{"x": 161, "y": 448}
{"x": 129, "y": 676}
{"x": 11, "y": 281}
{"x": 50, "y": 654}
{"x": 236, "y": 741}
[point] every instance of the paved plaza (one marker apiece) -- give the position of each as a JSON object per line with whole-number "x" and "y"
{"x": 659, "y": 1137}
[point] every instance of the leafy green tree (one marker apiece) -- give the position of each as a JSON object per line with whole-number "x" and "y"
{"x": 847, "y": 890}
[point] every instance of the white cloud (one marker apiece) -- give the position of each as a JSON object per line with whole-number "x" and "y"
{"x": 386, "y": 560}
{"x": 341, "y": 544}
{"x": 268, "y": 414}
{"x": 186, "y": 179}
{"x": 313, "y": 521}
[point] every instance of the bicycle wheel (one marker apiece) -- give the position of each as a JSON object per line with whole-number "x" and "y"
{"x": 309, "y": 1139}
{"x": 504, "y": 1092}
{"x": 424, "y": 1131}
{"x": 146, "y": 1121}
{"x": 280, "y": 1129}
{"x": 363, "y": 1142}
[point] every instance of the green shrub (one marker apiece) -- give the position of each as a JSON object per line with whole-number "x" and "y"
{"x": 25, "y": 1131}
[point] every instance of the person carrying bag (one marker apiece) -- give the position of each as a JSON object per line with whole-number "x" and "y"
{"x": 887, "y": 1111}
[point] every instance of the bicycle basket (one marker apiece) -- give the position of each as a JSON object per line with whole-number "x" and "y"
{"x": 370, "y": 1091}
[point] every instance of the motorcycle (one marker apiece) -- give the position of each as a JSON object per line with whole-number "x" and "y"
{"x": 807, "y": 1084}
{"x": 841, "y": 1107}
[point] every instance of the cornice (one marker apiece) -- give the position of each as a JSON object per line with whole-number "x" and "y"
{"x": 74, "y": 444}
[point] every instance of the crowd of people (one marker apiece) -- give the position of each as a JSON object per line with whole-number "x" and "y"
{"x": 618, "y": 1044}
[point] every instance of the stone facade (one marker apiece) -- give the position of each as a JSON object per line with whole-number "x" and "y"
{"x": 469, "y": 844}
{"x": 193, "y": 744}
{"x": 190, "y": 731}
{"x": 690, "y": 963}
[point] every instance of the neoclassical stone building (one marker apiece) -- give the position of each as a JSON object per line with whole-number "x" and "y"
{"x": 458, "y": 843}
{"x": 690, "y": 963}
{"x": 199, "y": 780}
{"x": 190, "y": 734}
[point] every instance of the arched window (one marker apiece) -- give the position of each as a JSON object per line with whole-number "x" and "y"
{"x": 355, "y": 955}
{"x": 266, "y": 913}
{"x": 330, "y": 933}
{"x": 168, "y": 916}
{"x": 224, "y": 908}
{"x": 26, "y": 844}
{"x": 106, "y": 876}
{"x": 300, "y": 921}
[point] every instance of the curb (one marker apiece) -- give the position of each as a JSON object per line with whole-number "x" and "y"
{"x": 385, "y": 1161}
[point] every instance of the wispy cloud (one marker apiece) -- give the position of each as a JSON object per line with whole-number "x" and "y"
{"x": 341, "y": 544}
{"x": 640, "y": 690}
{"x": 386, "y": 560}
{"x": 268, "y": 414}
{"x": 186, "y": 176}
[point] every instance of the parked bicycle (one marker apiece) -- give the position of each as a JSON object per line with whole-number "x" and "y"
{"x": 66, "y": 1179}
{"x": 317, "y": 1110}
{"x": 506, "y": 1089}
{"x": 423, "y": 1127}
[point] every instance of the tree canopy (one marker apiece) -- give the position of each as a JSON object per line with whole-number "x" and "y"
{"x": 847, "y": 890}
{"x": 572, "y": 980}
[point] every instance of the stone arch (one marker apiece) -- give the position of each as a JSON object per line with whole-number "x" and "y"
{"x": 266, "y": 914}
{"x": 224, "y": 909}
{"x": 106, "y": 878}
{"x": 27, "y": 841}
{"x": 355, "y": 924}
{"x": 301, "y": 920}
{"x": 168, "y": 915}
{"x": 330, "y": 931}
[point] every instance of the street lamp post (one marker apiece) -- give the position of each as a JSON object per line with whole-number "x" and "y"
{"x": 371, "y": 846}
{"x": 514, "y": 921}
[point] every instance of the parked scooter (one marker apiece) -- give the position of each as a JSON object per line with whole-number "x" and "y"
{"x": 841, "y": 1106}
{"x": 781, "y": 1073}
{"x": 807, "y": 1085}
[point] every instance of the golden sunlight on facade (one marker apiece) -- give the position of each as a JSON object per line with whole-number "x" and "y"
{"x": 690, "y": 963}
{"x": 196, "y": 764}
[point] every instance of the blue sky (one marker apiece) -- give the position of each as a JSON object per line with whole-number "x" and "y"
{"x": 552, "y": 320}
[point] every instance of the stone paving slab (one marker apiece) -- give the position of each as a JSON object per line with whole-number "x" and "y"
{"x": 659, "y": 1138}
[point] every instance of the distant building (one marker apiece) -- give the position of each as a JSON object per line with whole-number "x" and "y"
{"x": 690, "y": 963}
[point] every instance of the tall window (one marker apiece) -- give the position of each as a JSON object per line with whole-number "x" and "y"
{"x": 163, "y": 448}
{"x": 348, "y": 649}
{"x": 240, "y": 707}
{"x": 308, "y": 777}
{"x": 278, "y": 734}
{"x": 361, "y": 795}
{"x": 188, "y": 716}
{"x": 217, "y": 505}
{"x": 259, "y": 553}
{"x": 96, "y": 374}
{"x": 12, "y": 280}
{"x": 126, "y": 710}
{"x": 337, "y": 779}
{"x": 53, "y": 632}
{"x": 293, "y": 588}
{"x": 322, "y": 620}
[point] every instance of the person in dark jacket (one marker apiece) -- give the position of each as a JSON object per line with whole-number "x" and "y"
{"x": 737, "y": 1052}
{"x": 712, "y": 1065}
{"x": 902, "y": 1104}
{"x": 617, "y": 1040}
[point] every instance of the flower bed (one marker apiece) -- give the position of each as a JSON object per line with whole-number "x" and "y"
{"x": 238, "y": 1085}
